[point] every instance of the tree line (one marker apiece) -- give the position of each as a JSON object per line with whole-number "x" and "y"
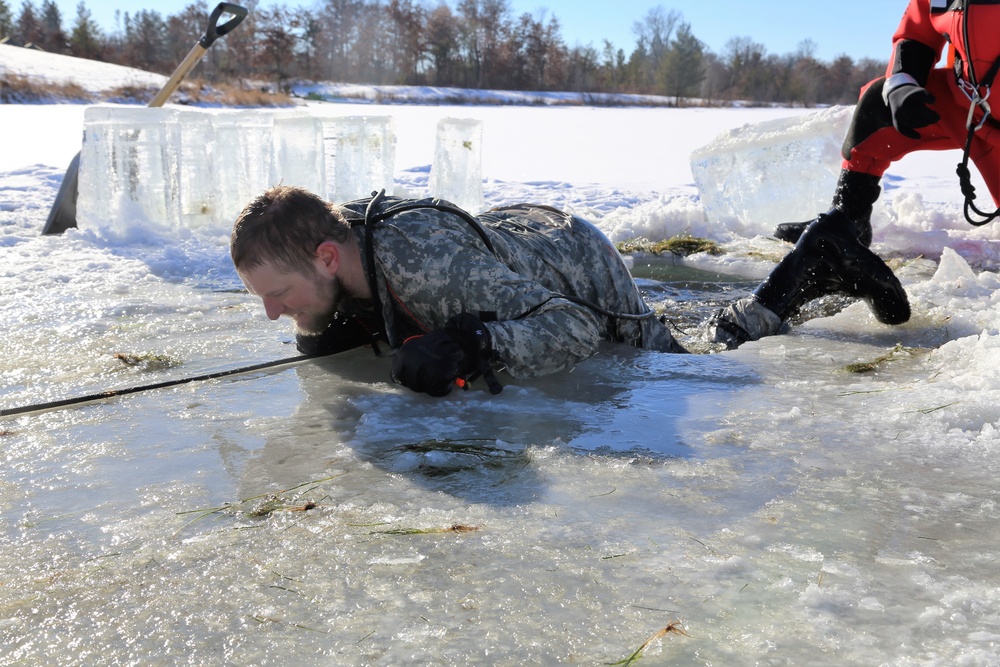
{"x": 476, "y": 44}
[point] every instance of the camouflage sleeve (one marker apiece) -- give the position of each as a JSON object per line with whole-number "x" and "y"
{"x": 553, "y": 338}
{"x": 436, "y": 267}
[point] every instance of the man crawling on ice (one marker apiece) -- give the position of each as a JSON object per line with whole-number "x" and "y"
{"x": 524, "y": 288}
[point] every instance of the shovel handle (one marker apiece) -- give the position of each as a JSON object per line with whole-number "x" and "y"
{"x": 215, "y": 31}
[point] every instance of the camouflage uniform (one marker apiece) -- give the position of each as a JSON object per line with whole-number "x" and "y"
{"x": 433, "y": 265}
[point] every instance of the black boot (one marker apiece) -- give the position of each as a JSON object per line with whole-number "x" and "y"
{"x": 854, "y": 196}
{"x": 829, "y": 259}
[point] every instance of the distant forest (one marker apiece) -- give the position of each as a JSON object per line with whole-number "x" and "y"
{"x": 476, "y": 44}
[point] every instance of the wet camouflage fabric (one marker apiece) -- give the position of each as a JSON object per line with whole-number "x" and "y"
{"x": 743, "y": 320}
{"x": 432, "y": 265}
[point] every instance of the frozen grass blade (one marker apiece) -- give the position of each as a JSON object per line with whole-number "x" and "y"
{"x": 261, "y": 619}
{"x": 456, "y": 528}
{"x": 895, "y": 354}
{"x": 674, "y": 627}
{"x": 264, "y": 504}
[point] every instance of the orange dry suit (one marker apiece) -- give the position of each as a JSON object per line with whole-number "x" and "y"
{"x": 970, "y": 29}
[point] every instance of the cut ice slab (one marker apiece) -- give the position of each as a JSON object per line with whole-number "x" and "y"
{"x": 785, "y": 170}
{"x": 457, "y": 174}
{"x": 128, "y": 167}
{"x": 360, "y": 155}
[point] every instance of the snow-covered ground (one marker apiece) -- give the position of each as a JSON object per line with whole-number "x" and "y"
{"x": 782, "y": 509}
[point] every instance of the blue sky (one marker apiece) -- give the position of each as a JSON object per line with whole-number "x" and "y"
{"x": 858, "y": 28}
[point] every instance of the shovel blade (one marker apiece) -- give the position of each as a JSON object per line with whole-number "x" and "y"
{"x": 62, "y": 216}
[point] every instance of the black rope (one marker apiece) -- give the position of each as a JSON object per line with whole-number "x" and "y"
{"x": 66, "y": 402}
{"x": 964, "y": 177}
{"x": 969, "y": 190}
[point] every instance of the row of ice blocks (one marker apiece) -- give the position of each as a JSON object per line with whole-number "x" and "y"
{"x": 172, "y": 168}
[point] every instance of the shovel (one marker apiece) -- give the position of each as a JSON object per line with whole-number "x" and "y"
{"x": 63, "y": 213}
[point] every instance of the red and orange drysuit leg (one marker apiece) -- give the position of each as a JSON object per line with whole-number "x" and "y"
{"x": 872, "y": 144}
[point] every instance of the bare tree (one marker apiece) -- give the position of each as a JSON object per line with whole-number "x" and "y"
{"x": 653, "y": 34}
{"x": 181, "y": 31}
{"x": 310, "y": 47}
{"x": 537, "y": 49}
{"x": 716, "y": 79}
{"x": 407, "y": 41}
{"x": 748, "y": 73}
{"x": 806, "y": 49}
{"x": 339, "y": 20}
{"x": 372, "y": 60}
{"x": 236, "y": 56}
{"x": 656, "y": 29}
{"x": 485, "y": 26}
{"x": 442, "y": 38}
{"x": 581, "y": 69}
{"x": 277, "y": 43}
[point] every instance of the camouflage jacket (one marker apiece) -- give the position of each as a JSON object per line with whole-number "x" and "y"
{"x": 432, "y": 265}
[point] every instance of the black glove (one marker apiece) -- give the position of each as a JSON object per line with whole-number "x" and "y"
{"x": 433, "y": 362}
{"x": 908, "y": 104}
{"x": 344, "y": 333}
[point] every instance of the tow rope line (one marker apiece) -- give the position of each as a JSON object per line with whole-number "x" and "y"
{"x": 111, "y": 393}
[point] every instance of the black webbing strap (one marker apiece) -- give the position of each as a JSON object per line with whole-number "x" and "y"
{"x": 372, "y": 273}
{"x": 373, "y": 216}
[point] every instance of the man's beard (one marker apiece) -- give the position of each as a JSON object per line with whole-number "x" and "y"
{"x": 331, "y": 294}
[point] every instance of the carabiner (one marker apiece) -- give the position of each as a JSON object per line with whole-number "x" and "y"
{"x": 975, "y": 101}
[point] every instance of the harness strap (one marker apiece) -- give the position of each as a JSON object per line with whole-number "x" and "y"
{"x": 377, "y": 197}
{"x": 374, "y": 216}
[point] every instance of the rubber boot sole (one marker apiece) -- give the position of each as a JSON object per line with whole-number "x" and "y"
{"x": 861, "y": 273}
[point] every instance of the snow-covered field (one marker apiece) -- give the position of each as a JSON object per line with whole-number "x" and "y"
{"x": 783, "y": 510}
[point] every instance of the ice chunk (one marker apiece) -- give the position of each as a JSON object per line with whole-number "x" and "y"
{"x": 955, "y": 278}
{"x": 128, "y": 169}
{"x": 953, "y": 269}
{"x": 360, "y": 156}
{"x": 198, "y": 188}
{"x": 456, "y": 174}
{"x": 298, "y": 151}
{"x": 242, "y": 158}
{"x": 784, "y": 170}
